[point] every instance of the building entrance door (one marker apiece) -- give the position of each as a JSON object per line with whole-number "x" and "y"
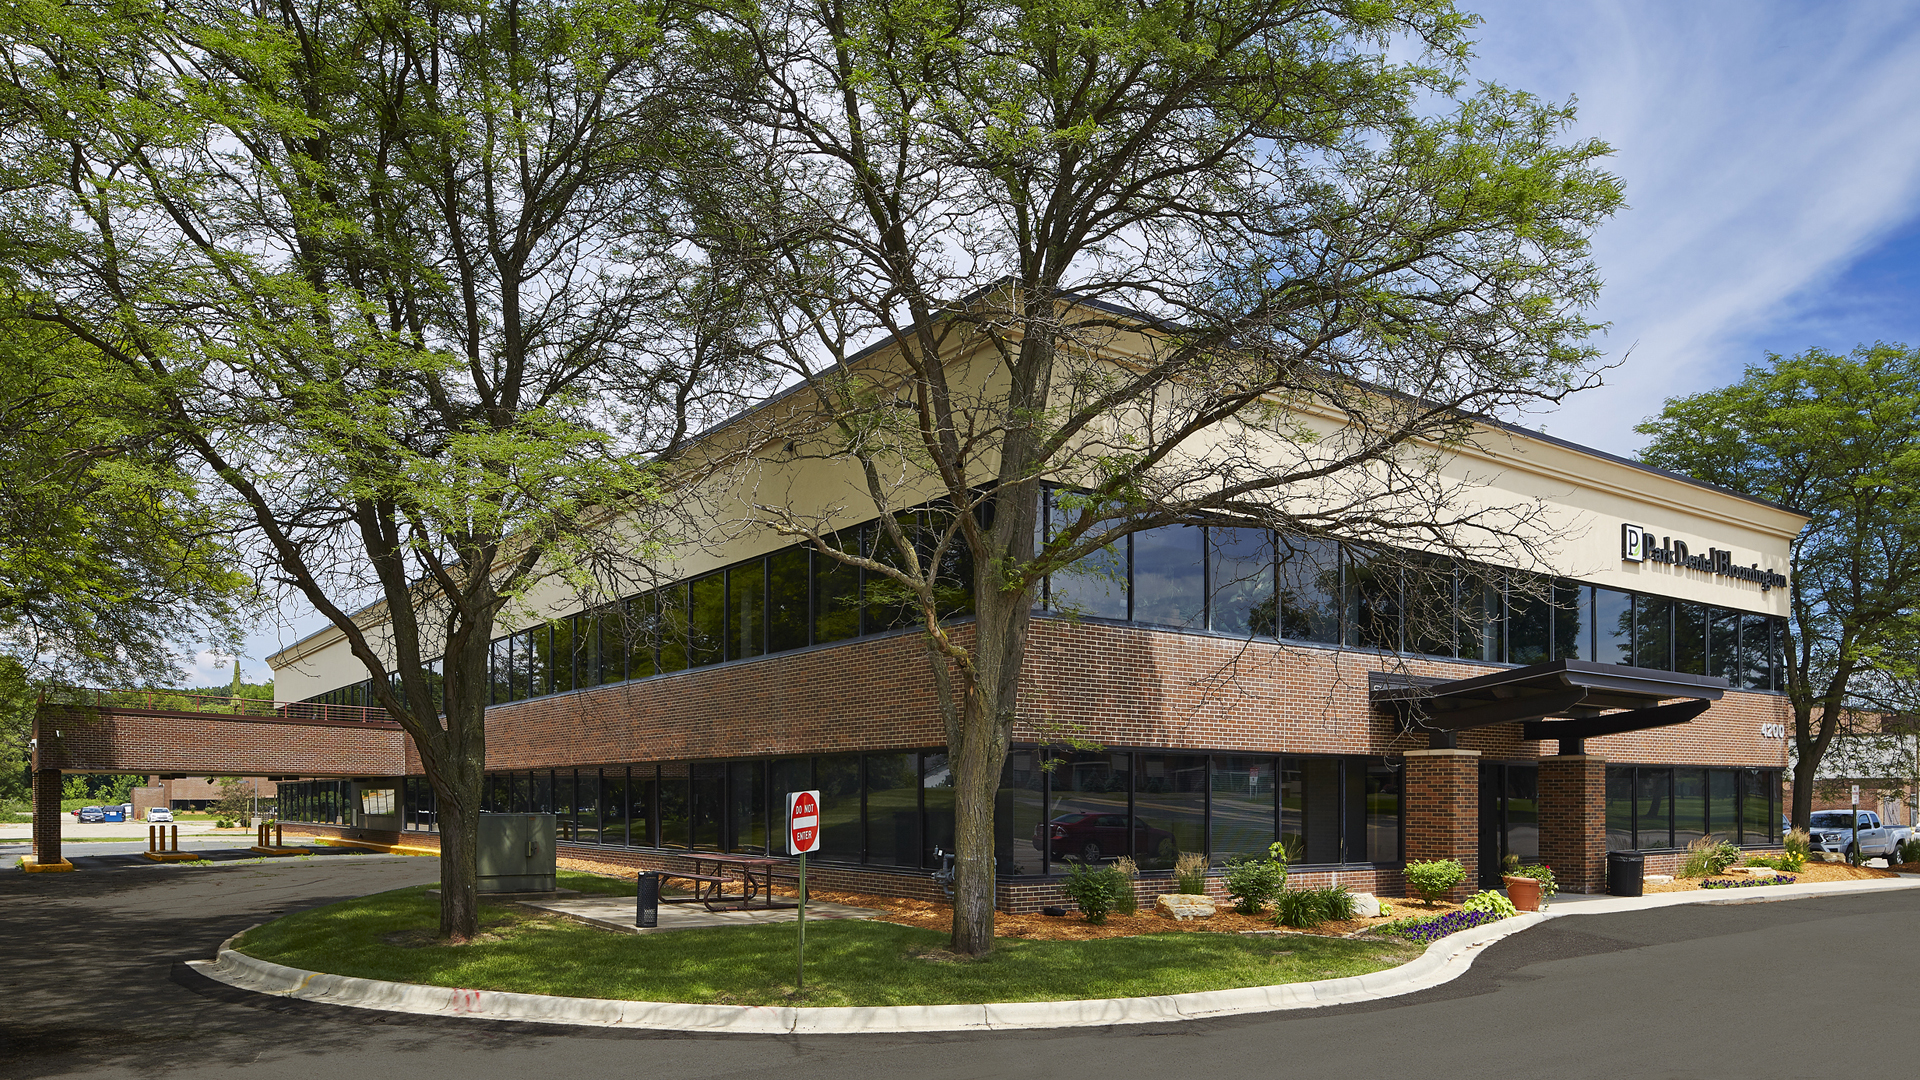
{"x": 1509, "y": 816}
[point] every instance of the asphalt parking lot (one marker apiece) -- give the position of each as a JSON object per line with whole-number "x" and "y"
{"x": 93, "y": 984}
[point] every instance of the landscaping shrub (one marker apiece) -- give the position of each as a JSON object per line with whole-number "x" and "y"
{"x": 1428, "y": 929}
{"x": 1302, "y": 909}
{"x": 1253, "y": 882}
{"x": 1908, "y": 851}
{"x": 1431, "y": 880}
{"x": 1798, "y": 845}
{"x": 1707, "y": 856}
{"x": 1190, "y": 873}
{"x": 1096, "y": 889}
{"x": 1127, "y": 903}
{"x": 1789, "y": 862}
{"x": 1490, "y": 901}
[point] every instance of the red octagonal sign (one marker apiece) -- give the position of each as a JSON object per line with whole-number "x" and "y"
{"x": 803, "y": 821}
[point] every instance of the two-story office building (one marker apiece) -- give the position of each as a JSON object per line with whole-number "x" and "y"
{"x": 1241, "y": 690}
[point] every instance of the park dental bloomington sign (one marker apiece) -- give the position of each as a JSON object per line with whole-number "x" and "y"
{"x": 1636, "y": 545}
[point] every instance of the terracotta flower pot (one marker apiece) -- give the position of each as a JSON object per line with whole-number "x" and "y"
{"x": 1524, "y": 892}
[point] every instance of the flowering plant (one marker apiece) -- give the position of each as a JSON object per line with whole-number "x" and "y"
{"x": 1541, "y": 873}
{"x": 1427, "y": 931}
{"x": 1747, "y": 883}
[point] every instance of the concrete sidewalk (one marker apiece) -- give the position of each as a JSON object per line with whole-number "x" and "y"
{"x": 1443, "y": 961}
{"x": 616, "y": 913}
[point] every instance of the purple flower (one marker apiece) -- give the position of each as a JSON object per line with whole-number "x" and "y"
{"x": 1427, "y": 931}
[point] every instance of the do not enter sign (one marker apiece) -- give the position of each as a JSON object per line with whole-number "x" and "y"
{"x": 803, "y": 822}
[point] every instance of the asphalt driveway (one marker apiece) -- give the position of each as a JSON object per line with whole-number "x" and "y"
{"x": 92, "y": 984}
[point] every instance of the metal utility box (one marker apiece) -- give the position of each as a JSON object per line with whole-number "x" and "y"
{"x": 515, "y": 853}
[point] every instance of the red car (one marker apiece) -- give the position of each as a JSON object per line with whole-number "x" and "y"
{"x": 1089, "y": 837}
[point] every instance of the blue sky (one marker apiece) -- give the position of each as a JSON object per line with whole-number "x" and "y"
{"x": 1771, "y": 155}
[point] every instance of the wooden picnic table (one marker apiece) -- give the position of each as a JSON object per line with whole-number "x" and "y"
{"x": 714, "y": 874}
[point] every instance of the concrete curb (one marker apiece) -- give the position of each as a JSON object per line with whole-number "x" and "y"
{"x": 1442, "y": 962}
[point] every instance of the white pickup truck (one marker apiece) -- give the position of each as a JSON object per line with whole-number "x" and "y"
{"x": 1832, "y": 830}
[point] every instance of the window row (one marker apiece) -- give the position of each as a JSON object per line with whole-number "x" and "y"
{"x": 1058, "y": 808}
{"x": 1240, "y": 582}
{"x": 894, "y": 809}
{"x": 1658, "y": 807}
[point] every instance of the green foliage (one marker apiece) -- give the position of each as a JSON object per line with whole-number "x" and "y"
{"x": 1543, "y": 874}
{"x": 1791, "y": 862}
{"x": 1253, "y": 882}
{"x": 1709, "y": 856}
{"x": 1908, "y": 851}
{"x": 1299, "y": 908}
{"x": 1430, "y": 880}
{"x": 1304, "y": 909}
{"x": 1190, "y": 873}
{"x": 1836, "y": 437}
{"x": 1797, "y": 846}
{"x": 1127, "y": 902}
{"x": 1490, "y": 901}
{"x": 1096, "y": 889}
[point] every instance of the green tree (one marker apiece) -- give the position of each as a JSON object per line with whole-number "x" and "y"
{"x": 1836, "y": 438}
{"x": 1312, "y": 217}
{"x": 404, "y": 278}
{"x": 109, "y": 554}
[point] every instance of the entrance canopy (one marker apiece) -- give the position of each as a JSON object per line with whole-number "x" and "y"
{"x": 1568, "y": 700}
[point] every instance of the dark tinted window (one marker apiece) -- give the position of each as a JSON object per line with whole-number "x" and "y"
{"x": 1373, "y": 601}
{"x": 893, "y": 809}
{"x": 1240, "y": 566}
{"x": 1310, "y": 590}
{"x": 1690, "y": 637}
{"x": 1429, "y": 585}
{"x": 1244, "y": 788}
{"x": 639, "y": 627}
{"x": 1689, "y": 806}
{"x": 670, "y": 627}
{"x": 747, "y": 610}
{"x": 1653, "y": 796}
{"x": 1613, "y": 626}
{"x": 1481, "y": 621}
{"x": 1169, "y": 576}
{"x": 1170, "y": 808}
{"x": 707, "y": 621}
{"x": 1530, "y": 613}
{"x": 1723, "y": 645}
{"x": 563, "y": 654}
{"x": 1756, "y": 652}
{"x": 1096, "y": 585}
{"x": 789, "y": 616}
{"x": 1653, "y": 632}
{"x": 836, "y": 591}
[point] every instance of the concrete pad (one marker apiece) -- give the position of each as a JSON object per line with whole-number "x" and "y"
{"x": 616, "y": 913}
{"x": 172, "y": 856}
{"x": 32, "y": 865}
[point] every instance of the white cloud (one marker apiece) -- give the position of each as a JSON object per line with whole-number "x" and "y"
{"x": 1763, "y": 145}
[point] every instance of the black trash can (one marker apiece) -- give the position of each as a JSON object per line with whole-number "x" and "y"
{"x": 1626, "y": 871}
{"x": 646, "y": 912}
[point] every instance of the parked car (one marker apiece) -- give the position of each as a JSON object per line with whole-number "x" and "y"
{"x": 1090, "y": 837}
{"x": 1832, "y": 830}
{"x": 159, "y": 815}
{"x": 91, "y": 815}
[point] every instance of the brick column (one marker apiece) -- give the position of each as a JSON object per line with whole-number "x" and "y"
{"x": 46, "y": 816}
{"x": 1443, "y": 811}
{"x": 1573, "y": 821}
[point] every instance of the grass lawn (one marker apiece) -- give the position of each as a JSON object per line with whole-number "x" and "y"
{"x": 389, "y": 936}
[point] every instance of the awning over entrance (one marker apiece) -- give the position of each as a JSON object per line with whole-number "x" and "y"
{"x": 1568, "y": 700}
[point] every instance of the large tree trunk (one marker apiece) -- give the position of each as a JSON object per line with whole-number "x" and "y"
{"x": 986, "y": 718}
{"x": 459, "y": 894}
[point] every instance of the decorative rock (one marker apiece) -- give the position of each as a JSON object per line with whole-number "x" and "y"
{"x": 1366, "y": 905}
{"x": 1184, "y": 906}
{"x": 1658, "y": 879}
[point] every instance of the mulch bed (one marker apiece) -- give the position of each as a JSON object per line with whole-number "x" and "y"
{"x": 932, "y": 915}
{"x": 1813, "y": 871}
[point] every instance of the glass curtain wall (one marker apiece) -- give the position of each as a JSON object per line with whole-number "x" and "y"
{"x": 1662, "y": 807}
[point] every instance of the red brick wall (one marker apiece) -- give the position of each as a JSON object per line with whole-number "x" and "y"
{"x": 1119, "y": 685}
{"x": 1573, "y": 822}
{"x": 142, "y": 741}
{"x": 1442, "y": 811}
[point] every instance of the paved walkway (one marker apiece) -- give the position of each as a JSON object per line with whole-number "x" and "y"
{"x": 617, "y": 913}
